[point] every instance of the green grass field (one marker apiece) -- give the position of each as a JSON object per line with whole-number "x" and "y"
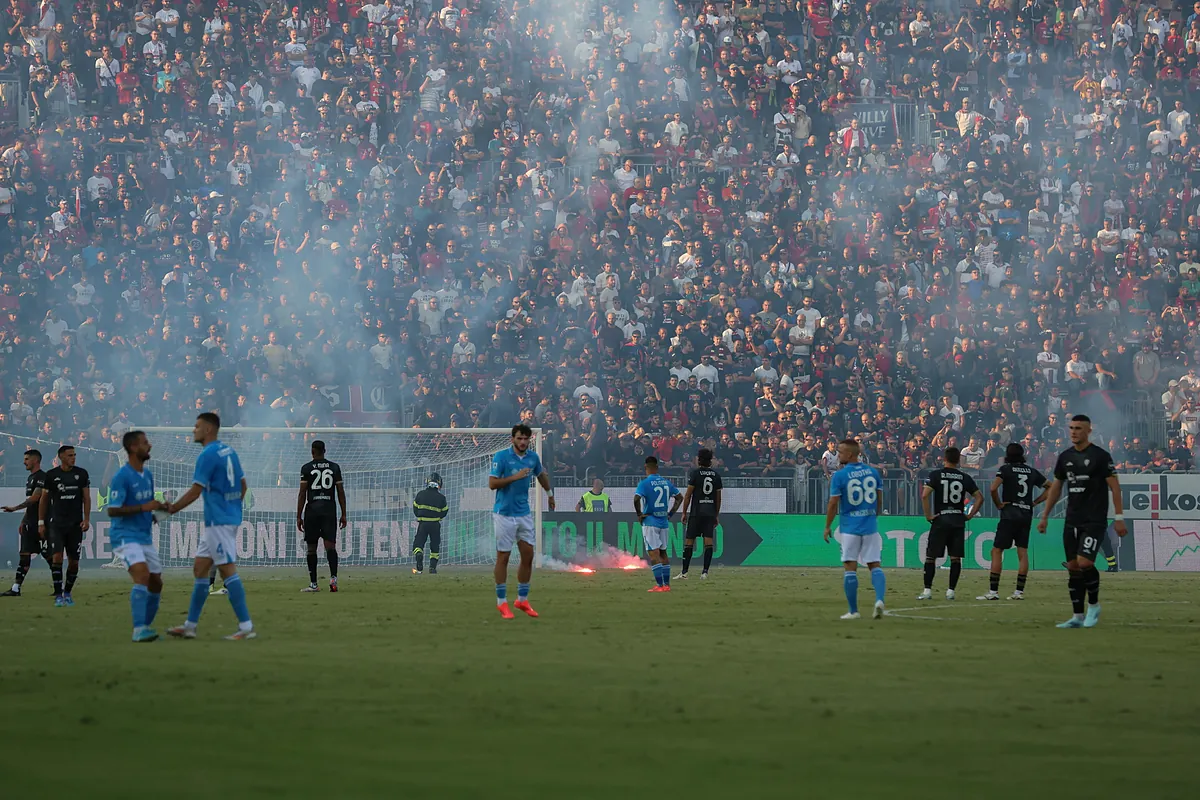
{"x": 745, "y": 686}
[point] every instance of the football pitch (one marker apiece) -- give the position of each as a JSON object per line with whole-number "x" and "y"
{"x": 743, "y": 686}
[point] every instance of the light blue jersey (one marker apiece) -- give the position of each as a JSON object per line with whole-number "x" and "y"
{"x": 131, "y": 488}
{"x": 219, "y": 472}
{"x": 857, "y": 486}
{"x": 513, "y": 499}
{"x": 656, "y": 493}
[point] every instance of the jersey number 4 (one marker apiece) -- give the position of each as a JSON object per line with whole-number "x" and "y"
{"x": 322, "y": 479}
{"x": 861, "y": 491}
{"x": 229, "y": 469}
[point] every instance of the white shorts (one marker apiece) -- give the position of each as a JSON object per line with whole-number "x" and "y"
{"x": 132, "y": 553}
{"x": 866, "y": 549}
{"x": 655, "y": 538}
{"x": 511, "y": 529}
{"x": 218, "y": 542}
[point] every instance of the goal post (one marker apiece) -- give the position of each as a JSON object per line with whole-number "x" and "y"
{"x": 382, "y": 470}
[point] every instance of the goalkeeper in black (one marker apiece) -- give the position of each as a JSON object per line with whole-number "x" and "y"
{"x": 430, "y": 508}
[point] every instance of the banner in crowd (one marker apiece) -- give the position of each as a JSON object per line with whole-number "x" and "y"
{"x": 1166, "y": 545}
{"x": 1165, "y": 495}
{"x": 876, "y": 120}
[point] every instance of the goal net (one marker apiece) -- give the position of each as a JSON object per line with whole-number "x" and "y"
{"x": 382, "y": 470}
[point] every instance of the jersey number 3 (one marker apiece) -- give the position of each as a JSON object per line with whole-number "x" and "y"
{"x": 861, "y": 491}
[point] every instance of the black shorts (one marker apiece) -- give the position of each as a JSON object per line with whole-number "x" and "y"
{"x": 66, "y": 538}
{"x": 322, "y": 526}
{"x": 31, "y": 543}
{"x": 700, "y": 528}
{"x": 1083, "y": 540}
{"x": 1012, "y": 531}
{"x": 946, "y": 539}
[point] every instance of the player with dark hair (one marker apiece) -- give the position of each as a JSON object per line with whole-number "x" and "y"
{"x": 1016, "y": 490}
{"x": 1091, "y": 478}
{"x": 321, "y": 492}
{"x": 132, "y": 508}
{"x": 64, "y": 515}
{"x": 650, "y": 503}
{"x": 948, "y": 489}
{"x": 430, "y": 508}
{"x": 30, "y": 543}
{"x": 856, "y": 493}
{"x": 219, "y": 479}
{"x": 511, "y": 516}
{"x": 701, "y": 511}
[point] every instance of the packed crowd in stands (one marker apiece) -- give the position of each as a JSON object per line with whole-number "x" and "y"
{"x": 643, "y": 226}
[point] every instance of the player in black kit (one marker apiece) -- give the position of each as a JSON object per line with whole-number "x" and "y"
{"x": 317, "y": 512}
{"x": 1015, "y": 490}
{"x": 64, "y": 515}
{"x": 701, "y": 510}
{"x": 30, "y": 543}
{"x": 948, "y": 489}
{"x": 1091, "y": 479}
{"x": 430, "y": 508}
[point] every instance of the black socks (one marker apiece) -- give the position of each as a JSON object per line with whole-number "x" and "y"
{"x": 332, "y": 557}
{"x": 1021, "y": 578}
{"x": 312, "y": 566}
{"x": 955, "y": 571}
{"x": 994, "y": 581}
{"x": 72, "y": 576}
{"x": 708, "y": 554}
{"x": 1075, "y": 588}
{"x": 930, "y": 569}
{"x": 23, "y": 568}
{"x": 687, "y": 557}
{"x": 1091, "y": 582}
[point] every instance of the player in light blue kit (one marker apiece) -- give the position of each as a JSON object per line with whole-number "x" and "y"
{"x": 131, "y": 506}
{"x": 220, "y": 479}
{"x": 650, "y": 502}
{"x": 512, "y": 518}
{"x": 857, "y": 491}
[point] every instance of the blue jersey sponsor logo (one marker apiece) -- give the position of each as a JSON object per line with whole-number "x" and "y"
{"x": 131, "y": 488}
{"x": 656, "y": 493}
{"x": 219, "y": 472}
{"x": 513, "y": 500}
{"x": 857, "y": 488}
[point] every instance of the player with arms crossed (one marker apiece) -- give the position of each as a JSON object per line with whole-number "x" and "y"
{"x": 1012, "y": 492}
{"x": 701, "y": 511}
{"x": 949, "y": 488}
{"x": 131, "y": 505}
{"x": 650, "y": 502}
{"x": 67, "y": 503}
{"x": 509, "y": 479}
{"x": 1091, "y": 479}
{"x": 856, "y": 490}
{"x": 30, "y": 543}
{"x": 316, "y": 512}
{"x": 219, "y": 478}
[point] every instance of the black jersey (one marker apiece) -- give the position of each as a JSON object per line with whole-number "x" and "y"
{"x": 1085, "y": 474}
{"x": 952, "y": 488}
{"x": 319, "y": 478}
{"x": 705, "y": 483}
{"x": 1020, "y": 485}
{"x": 66, "y": 494}
{"x": 35, "y": 482}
